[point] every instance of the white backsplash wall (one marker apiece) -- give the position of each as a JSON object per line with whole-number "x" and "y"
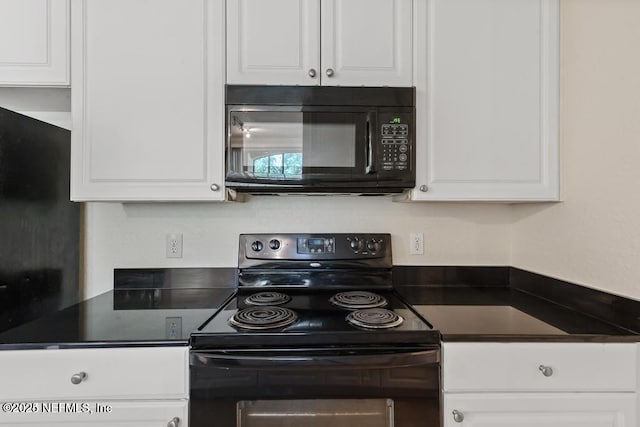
{"x": 133, "y": 235}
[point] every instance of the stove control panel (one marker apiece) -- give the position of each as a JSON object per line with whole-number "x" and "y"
{"x": 320, "y": 247}
{"x": 316, "y": 245}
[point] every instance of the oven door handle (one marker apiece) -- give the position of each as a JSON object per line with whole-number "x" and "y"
{"x": 369, "y": 361}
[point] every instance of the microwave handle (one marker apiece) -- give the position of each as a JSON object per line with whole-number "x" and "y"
{"x": 370, "y": 152}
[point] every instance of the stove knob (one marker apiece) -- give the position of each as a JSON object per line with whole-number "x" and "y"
{"x": 257, "y": 246}
{"x": 356, "y": 244}
{"x": 373, "y": 246}
{"x": 274, "y": 244}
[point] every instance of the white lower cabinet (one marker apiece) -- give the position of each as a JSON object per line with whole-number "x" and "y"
{"x": 99, "y": 414}
{"x": 540, "y": 384}
{"x": 539, "y": 410}
{"x": 123, "y": 387}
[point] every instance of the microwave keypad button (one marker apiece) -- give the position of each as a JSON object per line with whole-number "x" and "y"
{"x": 395, "y": 147}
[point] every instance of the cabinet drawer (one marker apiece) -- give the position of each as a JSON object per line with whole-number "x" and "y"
{"x": 111, "y": 373}
{"x": 519, "y": 367}
{"x": 110, "y": 413}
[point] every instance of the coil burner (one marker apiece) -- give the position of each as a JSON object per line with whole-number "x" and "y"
{"x": 357, "y": 300}
{"x": 267, "y": 298}
{"x": 374, "y": 318}
{"x": 263, "y": 317}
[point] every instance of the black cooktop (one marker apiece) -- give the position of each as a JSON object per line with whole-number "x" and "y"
{"x": 318, "y": 321}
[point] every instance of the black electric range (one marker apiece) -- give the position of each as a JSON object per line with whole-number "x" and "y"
{"x": 315, "y": 335}
{"x": 289, "y": 294}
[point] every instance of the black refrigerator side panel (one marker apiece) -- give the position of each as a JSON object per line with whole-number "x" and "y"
{"x": 39, "y": 226}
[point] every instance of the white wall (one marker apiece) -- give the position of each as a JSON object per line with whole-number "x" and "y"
{"x": 133, "y": 235}
{"x": 593, "y": 237}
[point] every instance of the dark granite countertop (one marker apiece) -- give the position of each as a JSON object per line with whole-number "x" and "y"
{"x": 463, "y": 303}
{"x": 506, "y": 304}
{"x": 468, "y": 313}
{"x": 135, "y": 313}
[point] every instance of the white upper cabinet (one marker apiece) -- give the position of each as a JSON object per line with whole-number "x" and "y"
{"x": 34, "y": 42}
{"x": 366, "y": 43}
{"x": 320, "y": 42}
{"x": 487, "y": 100}
{"x": 148, "y": 100}
{"x": 273, "y": 41}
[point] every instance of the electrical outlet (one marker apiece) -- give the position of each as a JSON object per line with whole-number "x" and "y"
{"x": 174, "y": 245}
{"x": 416, "y": 244}
{"x": 173, "y": 327}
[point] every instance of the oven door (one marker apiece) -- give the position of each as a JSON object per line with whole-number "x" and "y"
{"x": 269, "y": 146}
{"x": 315, "y": 388}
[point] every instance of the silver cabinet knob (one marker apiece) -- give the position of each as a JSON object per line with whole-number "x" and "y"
{"x": 215, "y": 187}
{"x": 78, "y": 378}
{"x": 312, "y": 72}
{"x": 424, "y": 188}
{"x": 546, "y": 370}
{"x": 457, "y": 416}
{"x": 175, "y": 422}
{"x": 330, "y": 72}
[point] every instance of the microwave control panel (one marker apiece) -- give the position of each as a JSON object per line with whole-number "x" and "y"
{"x": 395, "y": 150}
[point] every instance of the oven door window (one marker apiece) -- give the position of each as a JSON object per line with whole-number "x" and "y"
{"x": 295, "y": 146}
{"x": 315, "y": 413}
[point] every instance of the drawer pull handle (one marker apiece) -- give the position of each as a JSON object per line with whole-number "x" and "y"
{"x": 546, "y": 370}
{"x": 457, "y": 416}
{"x": 174, "y": 422}
{"x": 78, "y": 378}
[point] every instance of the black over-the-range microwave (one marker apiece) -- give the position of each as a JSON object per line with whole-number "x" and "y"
{"x": 318, "y": 139}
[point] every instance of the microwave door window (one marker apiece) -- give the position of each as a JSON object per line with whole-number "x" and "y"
{"x": 294, "y": 145}
{"x": 329, "y": 145}
{"x": 267, "y": 145}
{"x": 334, "y": 144}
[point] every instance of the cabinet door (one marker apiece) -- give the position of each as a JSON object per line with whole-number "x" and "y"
{"x": 121, "y": 413}
{"x": 540, "y": 410}
{"x": 148, "y": 100}
{"x": 34, "y": 42}
{"x": 367, "y": 42}
{"x": 487, "y": 100}
{"x": 273, "y": 42}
